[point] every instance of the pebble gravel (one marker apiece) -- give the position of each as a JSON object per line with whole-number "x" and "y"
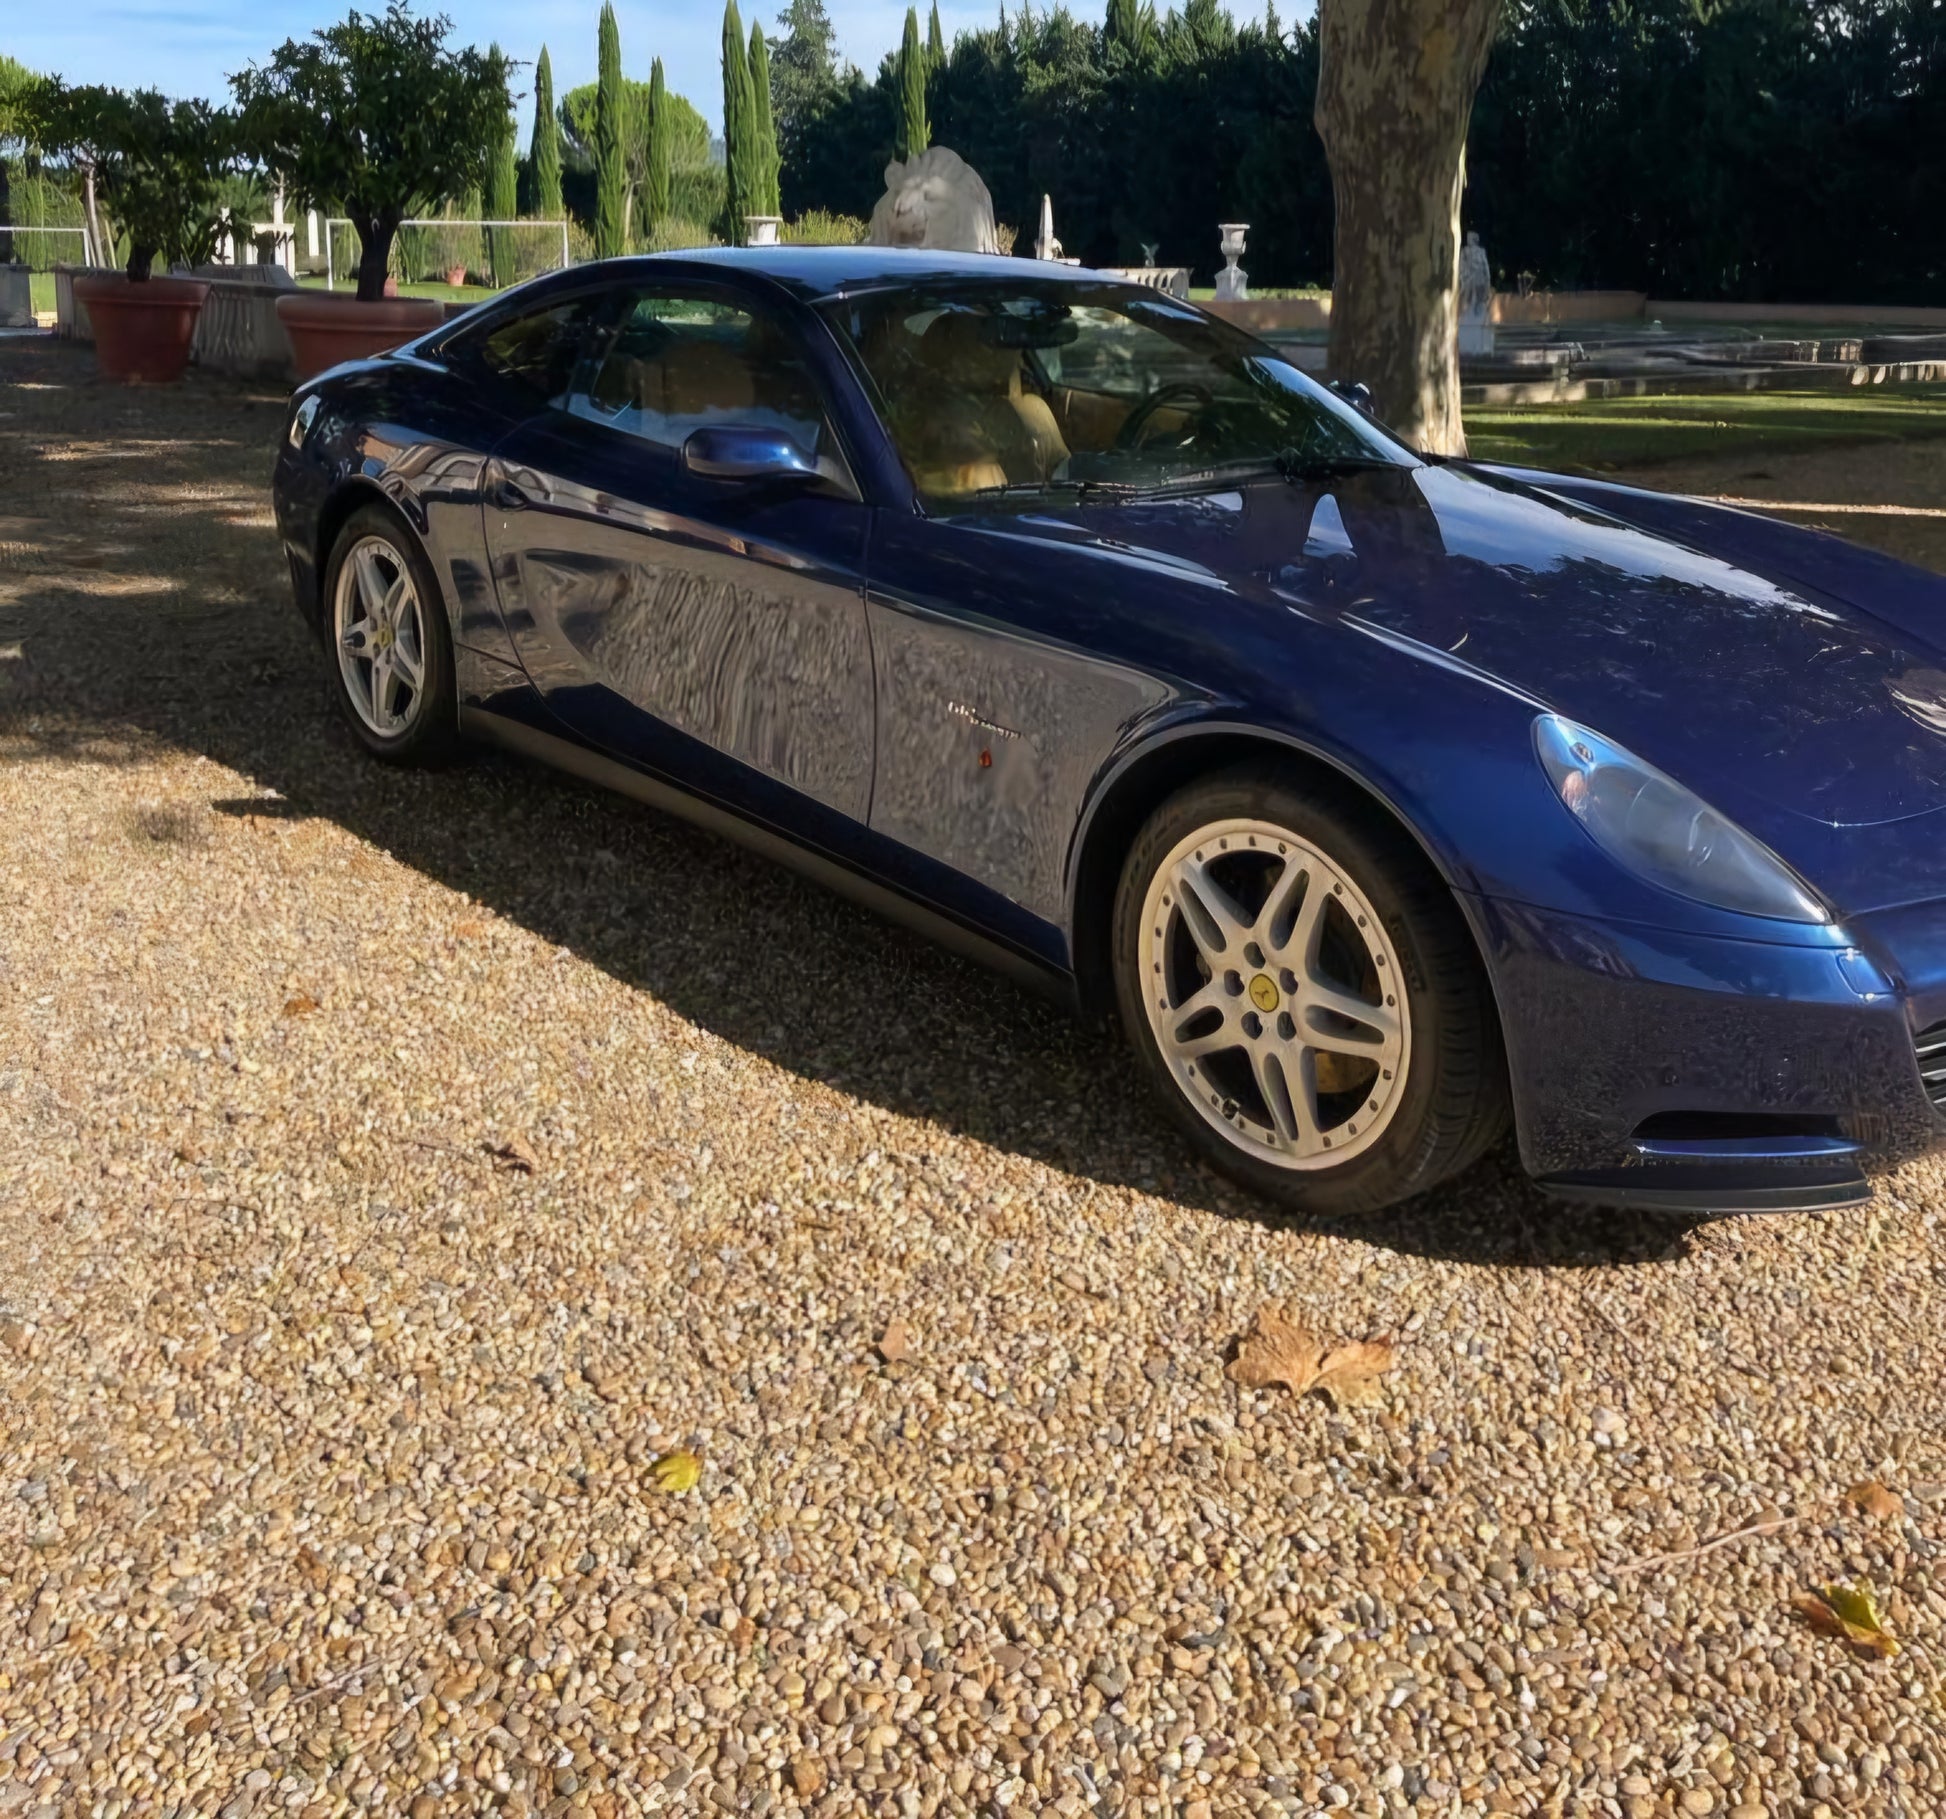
{"x": 394, "y": 1167}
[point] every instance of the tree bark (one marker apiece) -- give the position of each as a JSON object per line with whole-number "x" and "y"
{"x": 374, "y": 255}
{"x": 1396, "y": 82}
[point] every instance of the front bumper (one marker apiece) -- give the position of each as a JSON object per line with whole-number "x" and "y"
{"x": 1700, "y": 1074}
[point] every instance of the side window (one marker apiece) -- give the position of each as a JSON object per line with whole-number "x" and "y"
{"x": 674, "y": 365}
{"x": 535, "y": 355}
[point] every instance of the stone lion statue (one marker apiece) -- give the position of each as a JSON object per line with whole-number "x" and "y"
{"x": 935, "y": 200}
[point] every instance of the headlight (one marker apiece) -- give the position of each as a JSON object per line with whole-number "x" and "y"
{"x": 1663, "y": 832}
{"x": 301, "y": 420}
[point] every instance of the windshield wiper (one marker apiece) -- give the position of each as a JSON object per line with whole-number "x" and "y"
{"x": 1104, "y": 492}
{"x": 1289, "y": 465}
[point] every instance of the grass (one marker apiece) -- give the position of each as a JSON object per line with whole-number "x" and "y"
{"x": 446, "y": 293}
{"x": 1598, "y": 435}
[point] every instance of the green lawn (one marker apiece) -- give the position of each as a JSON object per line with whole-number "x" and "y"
{"x": 446, "y": 293}
{"x": 1600, "y": 434}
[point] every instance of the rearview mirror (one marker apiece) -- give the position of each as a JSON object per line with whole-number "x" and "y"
{"x": 746, "y": 452}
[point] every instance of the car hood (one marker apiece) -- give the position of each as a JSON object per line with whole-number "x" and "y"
{"x": 1795, "y": 682}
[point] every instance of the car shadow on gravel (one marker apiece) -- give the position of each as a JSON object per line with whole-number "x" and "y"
{"x": 184, "y": 638}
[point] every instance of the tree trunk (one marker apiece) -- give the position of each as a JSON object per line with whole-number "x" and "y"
{"x": 374, "y": 255}
{"x": 1396, "y": 82}
{"x": 6, "y": 214}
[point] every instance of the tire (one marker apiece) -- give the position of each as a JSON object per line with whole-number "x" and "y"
{"x": 1303, "y": 994}
{"x": 414, "y": 721}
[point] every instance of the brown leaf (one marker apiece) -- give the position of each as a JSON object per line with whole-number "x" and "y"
{"x": 1349, "y": 1375}
{"x": 807, "y": 1775}
{"x": 896, "y": 1345}
{"x": 468, "y": 929}
{"x": 514, "y": 1156}
{"x": 1850, "y": 1613}
{"x": 1278, "y": 1350}
{"x": 1875, "y": 1500}
{"x": 300, "y": 1006}
{"x": 743, "y": 1632}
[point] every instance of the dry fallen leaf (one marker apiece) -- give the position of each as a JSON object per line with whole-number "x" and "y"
{"x": 743, "y": 1632}
{"x": 1875, "y": 1500}
{"x": 1278, "y": 1350}
{"x": 300, "y": 1006}
{"x": 676, "y": 1472}
{"x": 1849, "y": 1612}
{"x": 468, "y": 929}
{"x": 514, "y": 1155}
{"x": 807, "y": 1775}
{"x": 895, "y": 1346}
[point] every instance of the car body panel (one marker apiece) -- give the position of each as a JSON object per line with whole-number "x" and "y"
{"x": 945, "y": 707}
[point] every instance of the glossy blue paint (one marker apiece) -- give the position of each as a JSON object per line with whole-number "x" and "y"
{"x": 950, "y": 704}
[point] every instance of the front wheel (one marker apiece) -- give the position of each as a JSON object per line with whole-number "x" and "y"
{"x": 1304, "y": 995}
{"x": 391, "y": 651}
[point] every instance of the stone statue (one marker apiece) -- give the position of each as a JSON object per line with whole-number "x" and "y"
{"x": 1475, "y": 299}
{"x": 935, "y": 200}
{"x": 1475, "y": 281}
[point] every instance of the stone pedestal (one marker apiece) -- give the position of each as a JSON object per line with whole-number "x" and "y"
{"x": 1232, "y": 282}
{"x": 761, "y": 230}
{"x": 16, "y": 297}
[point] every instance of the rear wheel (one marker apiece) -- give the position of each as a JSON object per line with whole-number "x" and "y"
{"x": 1303, "y": 993}
{"x": 391, "y": 651}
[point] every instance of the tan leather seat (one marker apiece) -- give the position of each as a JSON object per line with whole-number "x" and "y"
{"x": 962, "y": 417}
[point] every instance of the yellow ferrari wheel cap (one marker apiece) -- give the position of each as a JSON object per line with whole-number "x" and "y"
{"x": 1263, "y": 993}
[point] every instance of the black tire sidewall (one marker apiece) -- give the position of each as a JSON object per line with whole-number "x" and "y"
{"x": 1419, "y": 1144}
{"x": 434, "y": 732}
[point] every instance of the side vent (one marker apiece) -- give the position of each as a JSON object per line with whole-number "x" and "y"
{"x": 1931, "y": 1046}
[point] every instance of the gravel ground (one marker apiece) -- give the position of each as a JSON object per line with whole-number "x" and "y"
{"x": 327, "y": 1434}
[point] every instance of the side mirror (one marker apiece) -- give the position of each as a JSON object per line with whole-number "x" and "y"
{"x": 745, "y": 452}
{"x": 1357, "y": 394}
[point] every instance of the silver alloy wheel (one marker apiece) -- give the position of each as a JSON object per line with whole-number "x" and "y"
{"x": 380, "y": 637}
{"x": 1275, "y": 994}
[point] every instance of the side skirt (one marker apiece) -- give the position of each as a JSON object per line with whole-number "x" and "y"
{"x": 934, "y": 925}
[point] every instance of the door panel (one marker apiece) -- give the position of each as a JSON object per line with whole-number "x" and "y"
{"x": 990, "y": 730}
{"x": 713, "y": 630}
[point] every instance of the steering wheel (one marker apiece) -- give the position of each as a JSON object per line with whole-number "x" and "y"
{"x": 1128, "y": 439}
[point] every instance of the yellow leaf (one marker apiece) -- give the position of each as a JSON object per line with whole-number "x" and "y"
{"x": 300, "y": 1006}
{"x": 1349, "y": 1375}
{"x": 1849, "y": 1612}
{"x": 676, "y": 1472}
{"x": 513, "y": 1156}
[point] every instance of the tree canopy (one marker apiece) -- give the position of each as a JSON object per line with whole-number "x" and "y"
{"x": 158, "y": 164}
{"x": 375, "y": 119}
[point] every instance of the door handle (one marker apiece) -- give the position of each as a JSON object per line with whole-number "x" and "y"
{"x": 507, "y": 496}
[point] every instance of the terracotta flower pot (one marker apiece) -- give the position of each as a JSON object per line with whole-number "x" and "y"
{"x": 456, "y": 275}
{"x": 326, "y": 328}
{"x": 142, "y": 331}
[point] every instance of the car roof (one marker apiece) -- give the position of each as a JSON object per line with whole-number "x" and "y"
{"x": 817, "y": 272}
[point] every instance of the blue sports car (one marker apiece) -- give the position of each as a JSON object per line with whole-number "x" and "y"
{"x": 1383, "y": 798}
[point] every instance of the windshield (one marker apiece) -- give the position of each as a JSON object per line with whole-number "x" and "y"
{"x": 1001, "y": 388}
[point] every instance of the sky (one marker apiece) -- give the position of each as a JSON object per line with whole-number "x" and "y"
{"x": 186, "y": 49}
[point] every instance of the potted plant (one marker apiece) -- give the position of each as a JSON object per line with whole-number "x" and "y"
{"x": 157, "y": 166}
{"x": 377, "y": 120}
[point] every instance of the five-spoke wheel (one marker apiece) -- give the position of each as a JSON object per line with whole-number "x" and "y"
{"x": 1273, "y": 992}
{"x": 1300, "y": 983}
{"x": 387, "y": 630}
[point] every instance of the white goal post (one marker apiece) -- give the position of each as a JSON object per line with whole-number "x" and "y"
{"x": 450, "y": 225}
{"x": 90, "y": 255}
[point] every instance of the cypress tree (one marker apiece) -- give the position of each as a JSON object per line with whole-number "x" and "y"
{"x": 655, "y": 177}
{"x": 611, "y": 170}
{"x": 544, "y": 152}
{"x": 743, "y": 190}
{"x": 935, "y": 42}
{"x": 501, "y": 200}
{"x": 917, "y": 133}
{"x": 771, "y": 202}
